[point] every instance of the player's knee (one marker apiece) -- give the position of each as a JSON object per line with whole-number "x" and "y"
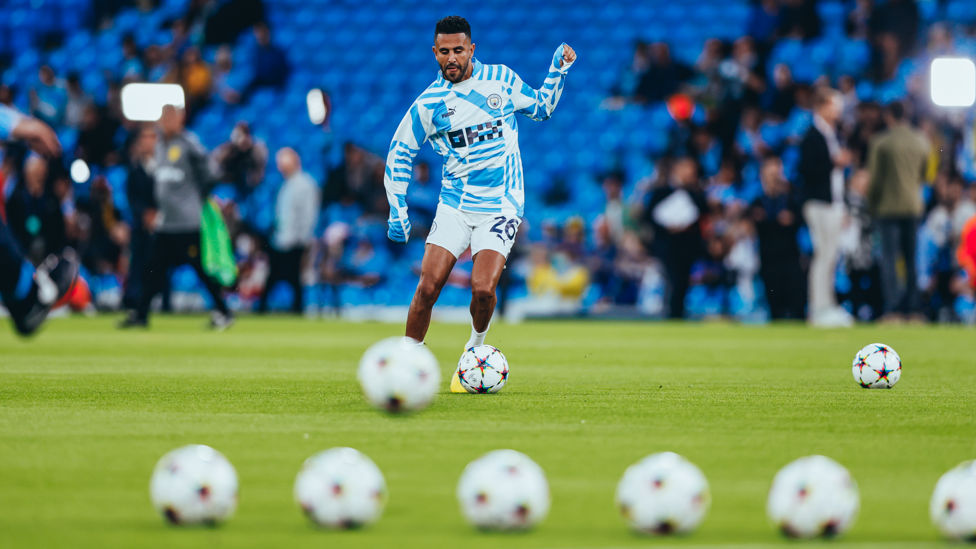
{"x": 483, "y": 295}
{"x": 427, "y": 292}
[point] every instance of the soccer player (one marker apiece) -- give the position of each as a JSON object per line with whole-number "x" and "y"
{"x": 28, "y": 293}
{"x": 468, "y": 115}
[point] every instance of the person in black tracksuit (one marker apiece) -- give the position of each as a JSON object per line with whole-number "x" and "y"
{"x": 678, "y": 246}
{"x": 777, "y": 217}
{"x": 142, "y": 202}
{"x": 182, "y": 181}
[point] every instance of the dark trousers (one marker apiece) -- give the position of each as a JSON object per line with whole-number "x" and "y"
{"x": 17, "y": 289}
{"x": 898, "y": 237}
{"x": 678, "y": 263}
{"x": 138, "y": 261}
{"x": 172, "y": 250}
{"x": 285, "y": 266}
{"x": 866, "y": 291}
{"x": 785, "y": 287}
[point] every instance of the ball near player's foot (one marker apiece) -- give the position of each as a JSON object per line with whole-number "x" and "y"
{"x": 813, "y": 497}
{"x": 341, "y": 488}
{"x": 482, "y": 369}
{"x": 503, "y": 490}
{"x": 953, "y": 504}
{"x": 398, "y": 375}
{"x": 663, "y": 494}
{"x": 194, "y": 485}
{"x": 877, "y": 366}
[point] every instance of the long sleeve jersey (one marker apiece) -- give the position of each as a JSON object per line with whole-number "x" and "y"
{"x": 9, "y": 118}
{"x": 472, "y": 125}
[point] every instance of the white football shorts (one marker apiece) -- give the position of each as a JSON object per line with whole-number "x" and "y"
{"x": 455, "y": 230}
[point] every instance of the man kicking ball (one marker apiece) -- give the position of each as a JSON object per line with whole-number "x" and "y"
{"x": 468, "y": 114}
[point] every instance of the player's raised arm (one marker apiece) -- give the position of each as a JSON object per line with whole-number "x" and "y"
{"x": 410, "y": 135}
{"x": 15, "y": 126}
{"x": 540, "y": 104}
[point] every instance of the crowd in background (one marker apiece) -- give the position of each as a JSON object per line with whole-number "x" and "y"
{"x": 773, "y": 198}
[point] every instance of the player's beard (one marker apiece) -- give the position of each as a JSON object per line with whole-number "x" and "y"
{"x": 461, "y": 72}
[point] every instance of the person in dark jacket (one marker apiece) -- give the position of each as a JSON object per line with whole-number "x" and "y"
{"x": 777, "y": 218}
{"x": 182, "y": 179}
{"x": 822, "y": 163}
{"x": 34, "y": 213}
{"x": 142, "y": 203}
{"x": 675, "y": 211}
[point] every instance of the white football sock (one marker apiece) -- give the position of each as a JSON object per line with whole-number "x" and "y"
{"x": 477, "y": 338}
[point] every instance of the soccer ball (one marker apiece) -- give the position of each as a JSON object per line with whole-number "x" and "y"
{"x": 483, "y": 369}
{"x": 663, "y": 494}
{"x": 194, "y": 484}
{"x": 877, "y": 366}
{"x": 953, "y": 504}
{"x": 398, "y": 375}
{"x": 341, "y": 488}
{"x": 813, "y": 496}
{"x": 503, "y": 490}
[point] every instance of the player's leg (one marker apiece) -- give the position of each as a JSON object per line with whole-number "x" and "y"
{"x": 29, "y": 294}
{"x": 154, "y": 279}
{"x": 487, "y": 270}
{"x": 220, "y": 318}
{"x": 434, "y": 271}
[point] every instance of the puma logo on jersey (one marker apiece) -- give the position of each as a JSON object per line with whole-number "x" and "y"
{"x": 448, "y": 114}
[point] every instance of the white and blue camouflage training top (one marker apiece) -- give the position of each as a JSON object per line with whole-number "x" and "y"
{"x": 472, "y": 124}
{"x": 9, "y": 118}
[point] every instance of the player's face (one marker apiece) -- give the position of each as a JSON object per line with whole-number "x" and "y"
{"x": 453, "y": 53}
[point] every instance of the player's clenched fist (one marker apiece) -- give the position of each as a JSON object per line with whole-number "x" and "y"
{"x": 569, "y": 55}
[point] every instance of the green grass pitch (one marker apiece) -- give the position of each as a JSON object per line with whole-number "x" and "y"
{"x": 85, "y": 412}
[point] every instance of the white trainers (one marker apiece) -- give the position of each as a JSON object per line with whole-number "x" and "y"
{"x": 836, "y": 317}
{"x": 220, "y": 322}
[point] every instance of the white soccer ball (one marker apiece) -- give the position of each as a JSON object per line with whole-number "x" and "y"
{"x": 953, "y": 504}
{"x": 877, "y": 366}
{"x": 341, "y": 488}
{"x": 398, "y": 375}
{"x": 503, "y": 490}
{"x": 194, "y": 484}
{"x": 813, "y": 496}
{"x": 483, "y": 369}
{"x": 663, "y": 494}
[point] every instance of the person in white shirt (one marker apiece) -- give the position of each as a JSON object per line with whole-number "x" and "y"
{"x": 296, "y": 214}
{"x": 468, "y": 115}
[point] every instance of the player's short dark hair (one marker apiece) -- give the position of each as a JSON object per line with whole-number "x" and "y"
{"x": 453, "y": 24}
{"x": 897, "y": 110}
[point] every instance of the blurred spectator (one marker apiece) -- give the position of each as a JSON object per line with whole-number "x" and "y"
{"x": 799, "y": 19}
{"x": 869, "y": 122}
{"x": 131, "y": 67}
{"x": 242, "y": 160}
{"x": 270, "y": 63}
{"x": 48, "y": 98}
{"x": 781, "y": 97}
{"x": 95, "y": 140}
{"x": 898, "y": 19}
{"x": 182, "y": 180}
{"x": 675, "y": 212}
{"x": 777, "y": 217}
{"x": 822, "y": 163}
{"x": 897, "y": 160}
{"x": 6, "y": 95}
{"x": 194, "y": 75}
{"x": 857, "y": 243}
{"x": 631, "y": 76}
{"x": 142, "y": 203}
{"x": 742, "y": 74}
{"x": 749, "y": 140}
{"x": 614, "y": 213}
{"x": 943, "y": 228}
{"x": 422, "y": 195}
{"x": 34, "y": 213}
{"x": 857, "y": 19}
{"x": 352, "y": 178}
{"x": 230, "y": 18}
{"x": 158, "y": 65}
{"x": 764, "y": 20}
{"x": 664, "y": 76}
{"x": 296, "y": 213}
{"x": 223, "y": 85}
{"x": 78, "y": 102}
{"x": 104, "y": 234}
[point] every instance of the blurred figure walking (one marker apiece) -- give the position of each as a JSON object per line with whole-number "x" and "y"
{"x": 296, "y": 213}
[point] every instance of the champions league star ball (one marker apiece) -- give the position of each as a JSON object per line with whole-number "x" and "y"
{"x": 813, "y": 497}
{"x": 194, "y": 485}
{"x": 877, "y": 366}
{"x": 483, "y": 369}
{"x": 953, "y": 504}
{"x": 663, "y": 494}
{"x": 503, "y": 490}
{"x": 341, "y": 488}
{"x": 398, "y": 375}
